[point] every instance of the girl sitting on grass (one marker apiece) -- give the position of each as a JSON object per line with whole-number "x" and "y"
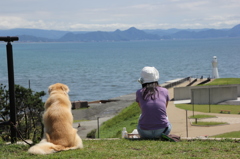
{"x": 153, "y": 101}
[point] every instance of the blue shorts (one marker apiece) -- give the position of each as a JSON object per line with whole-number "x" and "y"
{"x": 153, "y": 134}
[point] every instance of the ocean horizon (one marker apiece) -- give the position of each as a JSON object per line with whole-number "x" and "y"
{"x": 104, "y": 70}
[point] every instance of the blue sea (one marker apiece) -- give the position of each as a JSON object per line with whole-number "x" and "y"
{"x": 104, "y": 70}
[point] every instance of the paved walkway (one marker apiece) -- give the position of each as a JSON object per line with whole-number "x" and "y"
{"x": 184, "y": 129}
{"x": 181, "y": 125}
{"x": 87, "y": 126}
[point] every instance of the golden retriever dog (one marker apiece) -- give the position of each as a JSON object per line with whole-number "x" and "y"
{"x": 59, "y": 134}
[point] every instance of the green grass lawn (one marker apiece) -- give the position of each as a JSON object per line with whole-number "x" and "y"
{"x": 200, "y": 116}
{"x": 234, "y": 134}
{"x": 142, "y": 149}
{"x": 77, "y": 121}
{"x": 201, "y": 123}
{"x": 224, "y": 81}
{"x": 204, "y": 123}
{"x": 212, "y": 108}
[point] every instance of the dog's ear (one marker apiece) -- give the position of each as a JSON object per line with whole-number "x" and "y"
{"x": 49, "y": 89}
{"x": 65, "y": 88}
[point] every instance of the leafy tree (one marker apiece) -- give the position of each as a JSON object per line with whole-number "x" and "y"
{"x": 4, "y": 98}
{"x": 4, "y": 112}
{"x": 29, "y": 109}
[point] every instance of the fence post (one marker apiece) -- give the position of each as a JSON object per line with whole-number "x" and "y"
{"x": 193, "y": 102}
{"x": 209, "y": 101}
{"x": 98, "y": 126}
{"x": 187, "y": 122}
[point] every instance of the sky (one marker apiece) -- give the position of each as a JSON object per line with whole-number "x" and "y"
{"x": 109, "y": 15}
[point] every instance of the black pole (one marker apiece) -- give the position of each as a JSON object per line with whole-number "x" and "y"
{"x": 11, "y": 85}
{"x": 11, "y": 91}
{"x": 98, "y": 126}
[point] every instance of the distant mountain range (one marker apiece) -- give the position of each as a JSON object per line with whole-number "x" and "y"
{"x": 131, "y": 34}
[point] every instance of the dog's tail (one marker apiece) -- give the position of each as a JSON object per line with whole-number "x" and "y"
{"x": 44, "y": 148}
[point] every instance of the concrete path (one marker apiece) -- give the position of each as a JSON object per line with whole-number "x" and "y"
{"x": 87, "y": 126}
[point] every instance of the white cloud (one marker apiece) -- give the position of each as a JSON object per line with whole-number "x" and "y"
{"x": 8, "y": 22}
{"x": 112, "y": 15}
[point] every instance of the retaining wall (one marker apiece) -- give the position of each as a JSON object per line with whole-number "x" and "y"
{"x": 79, "y": 104}
{"x": 206, "y": 94}
{"x": 182, "y": 93}
{"x": 213, "y": 94}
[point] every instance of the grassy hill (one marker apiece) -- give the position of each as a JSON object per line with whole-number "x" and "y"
{"x": 128, "y": 118}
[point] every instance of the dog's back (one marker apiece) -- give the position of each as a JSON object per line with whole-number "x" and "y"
{"x": 58, "y": 122}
